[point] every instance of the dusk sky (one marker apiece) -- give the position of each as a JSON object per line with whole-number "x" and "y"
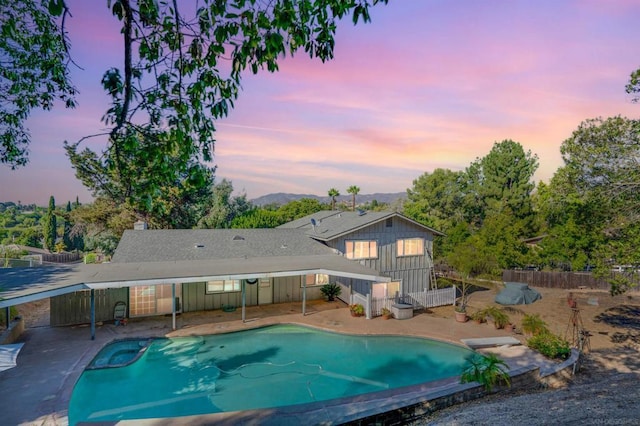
{"x": 427, "y": 84}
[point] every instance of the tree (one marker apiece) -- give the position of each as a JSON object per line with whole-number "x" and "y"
{"x": 333, "y": 193}
{"x": 602, "y": 156}
{"x": 174, "y": 83}
{"x": 436, "y": 199}
{"x": 67, "y": 240}
{"x": 633, "y": 87}
{"x": 49, "y": 225}
{"x": 299, "y": 208}
{"x": 502, "y": 179}
{"x": 223, "y": 208}
{"x": 353, "y": 190}
{"x": 33, "y": 71}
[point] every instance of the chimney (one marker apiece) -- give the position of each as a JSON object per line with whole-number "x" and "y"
{"x": 140, "y": 225}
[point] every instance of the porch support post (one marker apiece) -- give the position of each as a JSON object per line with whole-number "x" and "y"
{"x": 304, "y": 296}
{"x": 173, "y": 305}
{"x": 368, "y": 308}
{"x": 7, "y": 315}
{"x": 93, "y": 315}
{"x": 244, "y": 299}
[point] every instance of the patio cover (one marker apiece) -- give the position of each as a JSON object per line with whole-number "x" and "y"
{"x": 517, "y": 294}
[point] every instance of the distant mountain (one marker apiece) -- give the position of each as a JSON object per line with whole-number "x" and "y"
{"x": 281, "y": 198}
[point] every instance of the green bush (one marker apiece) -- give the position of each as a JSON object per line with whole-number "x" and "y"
{"x": 550, "y": 345}
{"x": 90, "y": 258}
{"x": 499, "y": 317}
{"x": 534, "y": 325}
{"x": 13, "y": 312}
{"x": 487, "y": 370}
{"x": 331, "y": 291}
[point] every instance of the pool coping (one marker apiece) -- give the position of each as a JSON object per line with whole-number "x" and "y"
{"x": 392, "y": 405}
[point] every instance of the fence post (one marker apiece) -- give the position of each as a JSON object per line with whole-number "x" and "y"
{"x": 368, "y": 311}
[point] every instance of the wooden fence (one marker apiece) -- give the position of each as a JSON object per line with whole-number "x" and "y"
{"x": 75, "y": 308}
{"x": 60, "y": 257}
{"x": 563, "y": 280}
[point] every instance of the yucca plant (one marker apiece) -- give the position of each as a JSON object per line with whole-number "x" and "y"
{"x": 488, "y": 370}
{"x": 331, "y": 291}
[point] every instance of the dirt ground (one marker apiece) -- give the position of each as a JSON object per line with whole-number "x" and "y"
{"x": 605, "y": 389}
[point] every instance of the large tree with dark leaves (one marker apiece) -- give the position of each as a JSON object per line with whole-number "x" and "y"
{"x": 182, "y": 68}
{"x": 33, "y": 71}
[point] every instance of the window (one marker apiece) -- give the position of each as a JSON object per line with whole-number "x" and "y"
{"x": 389, "y": 223}
{"x": 411, "y": 247}
{"x": 361, "y": 249}
{"x": 223, "y": 286}
{"x": 385, "y": 290}
{"x": 317, "y": 279}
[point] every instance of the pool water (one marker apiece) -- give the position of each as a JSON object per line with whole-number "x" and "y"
{"x": 267, "y": 367}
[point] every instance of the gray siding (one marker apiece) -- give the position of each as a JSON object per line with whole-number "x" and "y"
{"x": 413, "y": 271}
{"x": 195, "y": 298}
{"x": 288, "y": 289}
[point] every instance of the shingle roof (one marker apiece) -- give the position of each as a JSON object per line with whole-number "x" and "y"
{"x": 21, "y": 285}
{"x": 207, "y": 244}
{"x": 333, "y": 224}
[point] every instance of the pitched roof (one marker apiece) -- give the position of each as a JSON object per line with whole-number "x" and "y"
{"x": 21, "y": 285}
{"x": 333, "y": 224}
{"x": 208, "y": 244}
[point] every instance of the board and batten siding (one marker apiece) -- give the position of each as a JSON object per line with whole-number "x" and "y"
{"x": 75, "y": 308}
{"x": 195, "y": 297}
{"x": 289, "y": 289}
{"x": 412, "y": 271}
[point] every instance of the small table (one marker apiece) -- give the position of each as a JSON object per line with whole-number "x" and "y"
{"x": 402, "y": 311}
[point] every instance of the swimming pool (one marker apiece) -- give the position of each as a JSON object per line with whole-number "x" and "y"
{"x": 273, "y": 366}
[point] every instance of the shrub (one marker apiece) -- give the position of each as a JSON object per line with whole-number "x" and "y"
{"x": 357, "y": 309}
{"x": 13, "y": 312}
{"x": 90, "y": 258}
{"x": 479, "y": 316}
{"x": 499, "y": 317}
{"x": 534, "y": 325}
{"x": 550, "y": 345}
{"x": 487, "y": 370}
{"x": 331, "y": 291}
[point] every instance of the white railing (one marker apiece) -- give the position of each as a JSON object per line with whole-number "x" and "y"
{"x": 419, "y": 300}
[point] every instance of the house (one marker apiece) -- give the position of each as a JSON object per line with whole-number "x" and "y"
{"x": 392, "y": 244}
{"x": 374, "y": 256}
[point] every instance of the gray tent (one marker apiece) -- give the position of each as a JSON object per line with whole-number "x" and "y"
{"x": 517, "y": 294}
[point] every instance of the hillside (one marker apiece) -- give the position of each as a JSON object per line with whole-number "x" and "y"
{"x": 283, "y": 198}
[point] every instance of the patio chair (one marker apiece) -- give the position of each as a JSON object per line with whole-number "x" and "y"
{"x": 120, "y": 313}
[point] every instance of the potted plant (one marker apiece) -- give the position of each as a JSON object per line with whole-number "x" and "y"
{"x": 479, "y": 316}
{"x": 330, "y": 291}
{"x": 357, "y": 310}
{"x": 461, "y": 313}
{"x": 386, "y": 314}
{"x": 499, "y": 317}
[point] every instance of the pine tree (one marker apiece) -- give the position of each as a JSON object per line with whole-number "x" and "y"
{"x": 49, "y": 225}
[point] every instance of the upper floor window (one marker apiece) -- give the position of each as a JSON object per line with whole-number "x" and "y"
{"x": 410, "y": 247}
{"x": 223, "y": 286}
{"x": 365, "y": 249}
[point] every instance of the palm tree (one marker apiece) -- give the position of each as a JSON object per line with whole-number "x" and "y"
{"x": 333, "y": 193}
{"x": 353, "y": 190}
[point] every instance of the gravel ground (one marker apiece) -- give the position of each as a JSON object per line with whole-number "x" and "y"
{"x": 604, "y": 391}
